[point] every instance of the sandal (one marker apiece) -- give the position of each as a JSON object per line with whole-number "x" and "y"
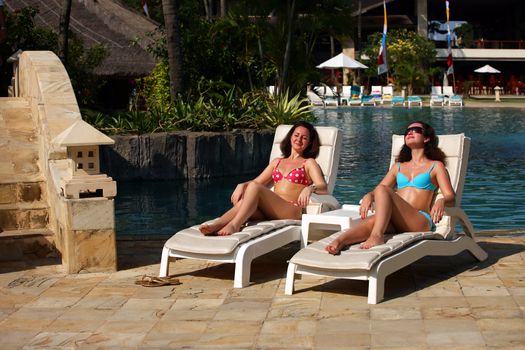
{"x": 154, "y": 281}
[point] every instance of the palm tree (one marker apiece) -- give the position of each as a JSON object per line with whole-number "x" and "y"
{"x": 171, "y": 21}
{"x": 63, "y": 30}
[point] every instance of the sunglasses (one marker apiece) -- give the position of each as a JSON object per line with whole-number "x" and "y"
{"x": 416, "y": 129}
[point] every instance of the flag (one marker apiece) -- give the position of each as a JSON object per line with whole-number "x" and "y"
{"x": 145, "y": 7}
{"x": 382, "y": 65}
{"x": 450, "y": 63}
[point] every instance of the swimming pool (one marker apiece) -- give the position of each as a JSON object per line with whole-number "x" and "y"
{"x": 494, "y": 194}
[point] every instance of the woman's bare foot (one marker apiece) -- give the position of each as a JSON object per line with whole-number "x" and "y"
{"x": 228, "y": 230}
{"x": 372, "y": 241}
{"x": 334, "y": 248}
{"x": 208, "y": 229}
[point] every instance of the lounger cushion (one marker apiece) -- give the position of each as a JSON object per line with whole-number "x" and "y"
{"x": 192, "y": 241}
{"x": 353, "y": 258}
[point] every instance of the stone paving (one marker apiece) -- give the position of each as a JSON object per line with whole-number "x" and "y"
{"x": 435, "y": 303}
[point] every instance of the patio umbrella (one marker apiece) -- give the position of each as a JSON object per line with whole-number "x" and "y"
{"x": 342, "y": 61}
{"x": 486, "y": 69}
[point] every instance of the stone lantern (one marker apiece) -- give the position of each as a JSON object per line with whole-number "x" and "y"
{"x": 82, "y": 178}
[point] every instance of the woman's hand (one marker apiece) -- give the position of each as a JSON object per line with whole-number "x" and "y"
{"x": 238, "y": 193}
{"x": 304, "y": 196}
{"x": 366, "y": 205}
{"x": 437, "y": 211}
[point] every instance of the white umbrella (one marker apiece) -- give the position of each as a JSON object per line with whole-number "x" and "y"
{"x": 486, "y": 69}
{"x": 342, "y": 61}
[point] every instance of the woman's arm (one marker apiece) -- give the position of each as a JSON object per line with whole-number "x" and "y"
{"x": 368, "y": 199}
{"x": 263, "y": 178}
{"x": 319, "y": 186}
{"x": 448, "y": 195}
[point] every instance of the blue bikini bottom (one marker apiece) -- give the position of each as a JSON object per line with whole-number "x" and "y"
{"x": 427, "y": 216}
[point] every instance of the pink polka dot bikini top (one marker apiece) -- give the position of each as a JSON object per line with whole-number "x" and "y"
{"x": 297, "y": 175}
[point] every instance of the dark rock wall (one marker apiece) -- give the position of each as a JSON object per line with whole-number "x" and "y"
{"x": 179, "y": 155}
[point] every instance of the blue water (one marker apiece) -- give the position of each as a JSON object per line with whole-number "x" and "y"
{"x": 494, "y": 194}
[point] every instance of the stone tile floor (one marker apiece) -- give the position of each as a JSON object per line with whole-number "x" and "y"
{"x": 436, "y": 303}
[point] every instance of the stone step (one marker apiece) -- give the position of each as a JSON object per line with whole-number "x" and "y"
{"x": 17, "y": 192}
{"x": 18, "y": 139}
{"x": 25, "y": 245}
{"x": 24, "y": 215}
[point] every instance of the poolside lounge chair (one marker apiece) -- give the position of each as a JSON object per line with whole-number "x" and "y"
{"x": 356, "y": 95}
{"x": 314, "y": 99}
{"x": 448, "y": 91}
{"x": 257, "y": 238}
{"x": 346, "y": 94}
{"x": 414, "y": 100}
{"x": 330, "y": 96}
{"x": 400, "y": 250}
{"x": 368, "y": 100}
{"x": 455, "y": 100}
{"x": 377, "y": 93}
{"x": 436, "y": 96}
{"x": 398, "y": 101}
{"x": 388, "y": 94}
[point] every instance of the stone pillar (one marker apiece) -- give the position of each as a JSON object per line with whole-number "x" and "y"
{"x": 422, "y": 18}
{"x": 348, "y": 46}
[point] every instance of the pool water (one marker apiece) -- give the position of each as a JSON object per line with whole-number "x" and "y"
{"x": 493, "y": 198}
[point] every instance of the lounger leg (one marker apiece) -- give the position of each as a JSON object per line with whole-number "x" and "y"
{"x": 474, "y": 249}
{"x": 290, "y": 279}
{"x": 242, "y": 273}
{"x": 164, "y": 262}
{"x": 376, "y": 288}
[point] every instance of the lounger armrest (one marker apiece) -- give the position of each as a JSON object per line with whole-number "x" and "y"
{"x": 460, "y": 214}
{"x": 320, "y": 203}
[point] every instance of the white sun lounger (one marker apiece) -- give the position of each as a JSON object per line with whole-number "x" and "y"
{"x": 257, "y": 238}
{"x": 398, "y": 251}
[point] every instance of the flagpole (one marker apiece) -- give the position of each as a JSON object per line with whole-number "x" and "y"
{"x": 450, "y": 63}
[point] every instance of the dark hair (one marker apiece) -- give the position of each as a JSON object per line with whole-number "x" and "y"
{"x": 431, "y": 150}
{"x": 311, "y": 151}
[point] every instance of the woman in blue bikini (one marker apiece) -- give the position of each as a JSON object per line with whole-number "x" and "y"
{"x": 253, "y": 200}
{"x": 402, "y": 200}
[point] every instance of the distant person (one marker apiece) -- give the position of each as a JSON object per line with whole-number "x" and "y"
{"x": 402, "y": 199}
{"x": 295, "y": 177}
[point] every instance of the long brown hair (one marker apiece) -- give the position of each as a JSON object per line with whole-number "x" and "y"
{"x": 431, "y": 149}
{"x": 311, "y": 151}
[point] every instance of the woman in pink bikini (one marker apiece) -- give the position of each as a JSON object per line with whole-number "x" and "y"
{"x": 402, "y": 199}
{"x": 295, "y": 176}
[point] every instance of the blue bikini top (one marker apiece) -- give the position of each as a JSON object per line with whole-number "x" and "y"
{"x": 422, "y": 181}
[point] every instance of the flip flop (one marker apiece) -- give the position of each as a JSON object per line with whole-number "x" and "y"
{"x": 154, "y": 281}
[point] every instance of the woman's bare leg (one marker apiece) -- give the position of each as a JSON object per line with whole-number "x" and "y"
{"x": 213, "y": 227}
{"x": 259, "y": 198}
{"x": 355, "y": 234}
{"x": 390, "y": 209}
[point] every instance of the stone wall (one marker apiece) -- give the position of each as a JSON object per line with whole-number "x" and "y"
{"x": 183, "y": 154}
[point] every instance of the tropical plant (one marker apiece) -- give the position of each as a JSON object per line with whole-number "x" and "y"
{"x": 410, "y": 57}
{"x": 282, "y": 110}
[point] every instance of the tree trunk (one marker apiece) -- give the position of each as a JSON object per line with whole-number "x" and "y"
{"x": 171, "y": 20}
{"x": 223, "y": 8}
{"x": 63, "y": 30}
{"x": 287, "y": 53}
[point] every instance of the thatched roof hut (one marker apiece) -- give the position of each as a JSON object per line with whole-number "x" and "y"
{"x": 104, "y": 22}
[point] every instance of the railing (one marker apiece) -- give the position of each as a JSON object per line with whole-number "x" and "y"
{"x": 499, "y": 44}
{"x": 487, "y": 44}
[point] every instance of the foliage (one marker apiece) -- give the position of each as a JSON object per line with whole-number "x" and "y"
{"x": 281, "y": 110}
{"x": 465, "y": 35}
{"x": 24, "y": 35}
{"x": 410, "y": 57}
{"x": 224, "y": 108}
{"x": 156, "y": 88}
{"x": 80, "y": 66}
